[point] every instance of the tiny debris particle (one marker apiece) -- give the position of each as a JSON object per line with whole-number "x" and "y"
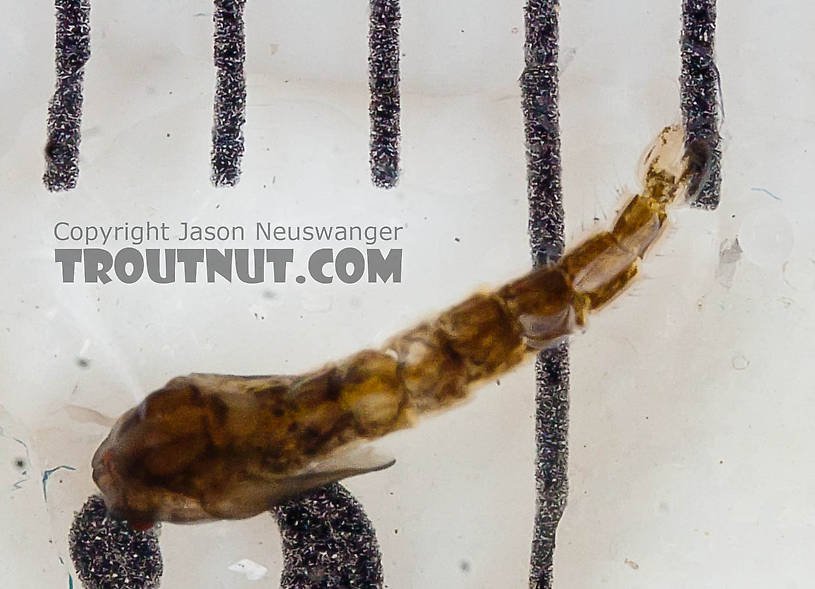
{"x": 765, "y": 191}
{"x": 83, "y": 362}
{"x": 465, "y": 566}
{"x": 249, "y": 568}
{"x": 739, "y": 362}
{"x": 47, "y": 474}
{"x": 634, "y": 566}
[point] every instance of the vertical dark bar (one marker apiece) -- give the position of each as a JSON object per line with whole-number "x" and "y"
{"x": 699, "y": 88}
{"x": 539, "y": 85}
{"x": 230, "y": 92}
{"x": 73, "y": 49}
{"x": 328, "y": 541}
{"x": 383, "y": 71}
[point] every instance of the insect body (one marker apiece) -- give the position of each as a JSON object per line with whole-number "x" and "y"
{"x": 210, "y": 446}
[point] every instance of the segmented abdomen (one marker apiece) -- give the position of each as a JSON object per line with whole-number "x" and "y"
{"x": 434, "y": 365}
{"x": 202, "y": 433}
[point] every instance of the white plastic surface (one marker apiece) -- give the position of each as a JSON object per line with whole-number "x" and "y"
{"x": 692, "y": 395}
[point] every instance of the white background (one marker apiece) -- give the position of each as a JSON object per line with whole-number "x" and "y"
{"x": 692, "y": 395}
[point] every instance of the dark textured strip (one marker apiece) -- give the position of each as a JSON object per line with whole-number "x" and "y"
{"x": 73, "y": 49}
{"x": 699, "y": 88}
{"x": 107, "y": 553}
{"x": 539, "y": 85}
{"x": 551, "y": 482}
{"x": 230, "y": 92}
{"x": 328, "y": 542}
{"x": 383, "y": 71}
